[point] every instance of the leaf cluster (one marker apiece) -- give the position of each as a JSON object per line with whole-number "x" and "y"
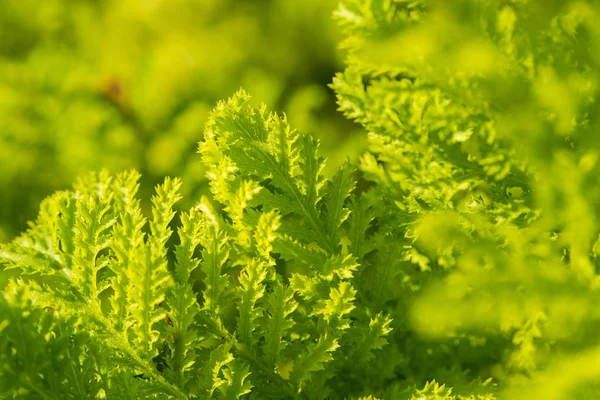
{"x": 462, "y": 247}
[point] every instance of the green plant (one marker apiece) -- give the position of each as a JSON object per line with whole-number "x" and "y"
{"x": 462, "y": 249}
{"x": 483, "y": 120}
{"x": 93, "y": 262}
{"x": 120, "y": 84}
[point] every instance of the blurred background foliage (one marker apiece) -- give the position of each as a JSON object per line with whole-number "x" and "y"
{"x": 483, "y": 119}
{"x": 116, "y": 84}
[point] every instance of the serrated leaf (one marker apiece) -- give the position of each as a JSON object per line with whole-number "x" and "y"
{"x": 338, "y": 190}
{"x": 313, "y": 359}
{"x": 280, "y": 305}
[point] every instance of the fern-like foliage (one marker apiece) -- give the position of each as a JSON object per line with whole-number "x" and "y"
{"x": 256, "y": 296}
{"x": 97, "y": 271}
{"x": 482, "y": 124}
{"x": 287, "y": 225}
{"x": 463, "y": 247}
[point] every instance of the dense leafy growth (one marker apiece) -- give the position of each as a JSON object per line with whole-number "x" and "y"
{"x": 229, "y": 316}
{"x": 457, "y": 261}
{"x": 121, "y": 84}
{"x": 482, "y": 120}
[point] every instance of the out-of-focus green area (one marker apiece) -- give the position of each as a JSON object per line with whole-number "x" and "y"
{"x": 116, "y": 84}
{"x": 484, "y": 119}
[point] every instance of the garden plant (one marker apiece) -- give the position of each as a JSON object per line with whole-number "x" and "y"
{"x": 456, "y": 258}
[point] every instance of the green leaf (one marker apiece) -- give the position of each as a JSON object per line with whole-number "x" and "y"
{"x": 91, "y": 235}
{"x": 340, "y": 303}
{"x": 242, "y": 143}
{"x": 266, "y": 234}
{"x": 251, "y": 289}
{"x": 338, "y": 190}
{"x": 280, "y": 306}
{"x": 150, "y": 277}
{"x": 182, "y": 305}
{"x": 237, "y": 385}
{"x": 212, "y": 377}
{"x": 215, "y": 254}
{"x": 313, "y": 359}
{"x": 128, "y": 238}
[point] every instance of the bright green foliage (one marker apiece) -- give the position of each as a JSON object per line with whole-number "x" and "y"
{"x": 100, "y": 273}
{"x": 44, "y": 357}
{"x": 234, "y": 310}
{"x": 462, "y": 249}
{"x": 434, "y": 391}
{"x": 120, "y": 84}
{"x": 268, "y": 176}
{"x": 482, "y": 118}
